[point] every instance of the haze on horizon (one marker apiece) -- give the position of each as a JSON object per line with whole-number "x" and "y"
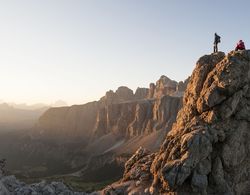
{"x": 77, "y": 50}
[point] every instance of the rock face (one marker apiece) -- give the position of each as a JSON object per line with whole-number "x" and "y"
{"x": 122, "y": 128}
{"x": 138, "y": 166}
{"x": 64, "y": 124}
{"x": 141, "y": 93}
{"x": 208, "y": 149}
{"x": 9, "y": 185}
{"x": 138, "y": 117}
{"x": 165, "y": 86}
{"x": 78, "y": 122}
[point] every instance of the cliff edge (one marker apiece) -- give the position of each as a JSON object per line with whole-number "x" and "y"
{"x": 208, "y": 149}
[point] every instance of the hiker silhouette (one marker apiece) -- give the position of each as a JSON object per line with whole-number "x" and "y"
{"x": 216, "y": 41}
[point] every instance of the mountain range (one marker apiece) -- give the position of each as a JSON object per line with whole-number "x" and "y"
{"x": 84, "y": 139}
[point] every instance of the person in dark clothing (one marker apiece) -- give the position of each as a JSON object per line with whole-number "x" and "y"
{"x": 216, "y": 41}
{"x": 240, "y": 46}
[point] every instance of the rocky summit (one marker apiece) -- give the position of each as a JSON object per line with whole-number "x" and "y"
{"x": 10, "y": 185}
{"x": 207, "y": 150}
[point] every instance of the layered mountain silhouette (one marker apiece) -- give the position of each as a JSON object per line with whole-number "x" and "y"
{"x": 13, "y": 118}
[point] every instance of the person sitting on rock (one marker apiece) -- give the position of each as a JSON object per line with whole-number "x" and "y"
{"x": 216, "y": 41}
{"x": 240, "y": 46}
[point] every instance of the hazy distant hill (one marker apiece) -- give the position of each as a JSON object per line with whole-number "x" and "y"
{"x": 12, "y": 118}
{"x": 37, "y": 106}
{"x": 15, "y": 116}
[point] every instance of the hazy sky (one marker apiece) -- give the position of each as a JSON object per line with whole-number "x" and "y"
{"x": 76, "y": 50}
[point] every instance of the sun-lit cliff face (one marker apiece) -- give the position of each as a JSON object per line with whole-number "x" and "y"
{"x": 122, "y": 112}
{"x": 137, "y": 118}
{"x": 208, "y": 149}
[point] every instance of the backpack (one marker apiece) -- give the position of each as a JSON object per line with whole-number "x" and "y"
{"x": 218, "y": 39}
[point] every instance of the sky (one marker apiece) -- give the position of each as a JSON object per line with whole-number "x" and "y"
{"x": 76, "y": 50}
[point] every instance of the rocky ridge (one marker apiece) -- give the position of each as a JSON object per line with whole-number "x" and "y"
{"x": 208, "y": 149}
{"x": 9, "y": 185}
{"x": 57, "y": 124}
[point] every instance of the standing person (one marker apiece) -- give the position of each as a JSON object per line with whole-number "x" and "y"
{"x": 216, "y": 41}
{"x": 240, "y": 46}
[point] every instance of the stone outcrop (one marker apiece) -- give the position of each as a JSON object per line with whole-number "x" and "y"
{"x": 138, "y": 166}
{"x": 182, "y": 85}
{"x": 208, "y": 149}
{"x": 9, "y": 185}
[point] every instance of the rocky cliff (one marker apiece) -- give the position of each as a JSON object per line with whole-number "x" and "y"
{"x": 67, "y": 124}
{"x": 122, "y": 112}
{"x": 9, "y": 185}
{"x": 136, "y": 118}
{"x": 208, "y": 149}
